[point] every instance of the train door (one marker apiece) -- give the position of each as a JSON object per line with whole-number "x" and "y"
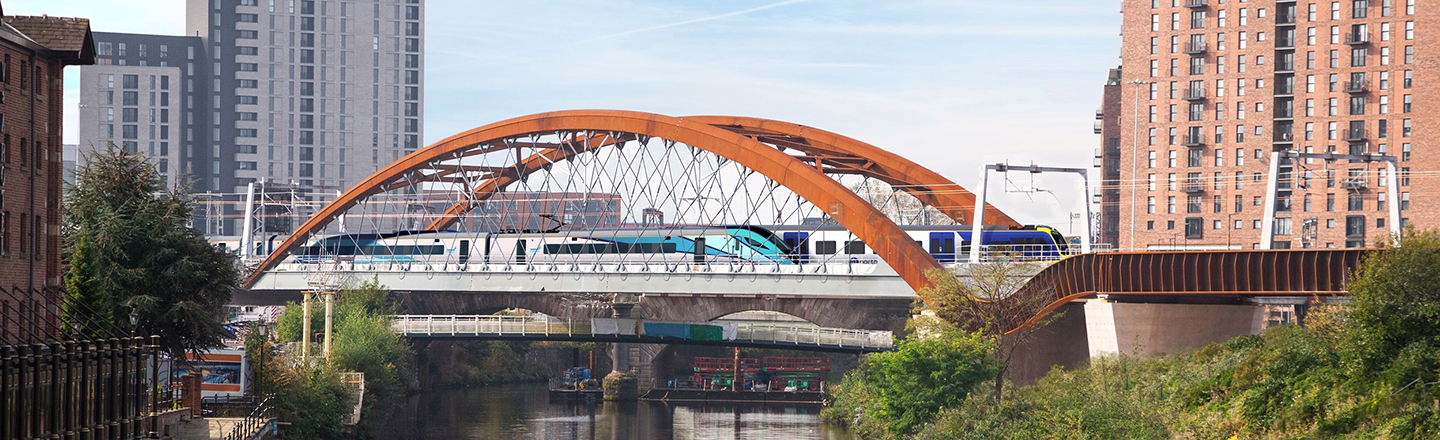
{"x": 700, "y": 250}
{"x": 942, "y": 246}
{"x": 487, "y": 248}
{"x": 520, "y": 249}
{"x": 464, "y": 251}
{"x": 799, "y": 243}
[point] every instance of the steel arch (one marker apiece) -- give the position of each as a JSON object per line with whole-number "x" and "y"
{"x": 839, "y": 154}
{"x": 826, "y": 151}
{"x": 876, "y": 229}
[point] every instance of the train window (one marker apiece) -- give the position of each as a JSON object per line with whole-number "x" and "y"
{"x": 610, "y": 248}
{"x": 825, "y": 247}
{"x": 392, "y": 250}
{"x": 854, "y": 247}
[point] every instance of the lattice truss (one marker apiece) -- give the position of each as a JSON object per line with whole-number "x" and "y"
{"x": 587, "y": 191}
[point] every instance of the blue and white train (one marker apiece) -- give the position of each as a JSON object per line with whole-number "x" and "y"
{"x": 685, "y": 244}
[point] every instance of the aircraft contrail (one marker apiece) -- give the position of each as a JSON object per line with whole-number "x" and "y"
{"x": 703, "y": 19}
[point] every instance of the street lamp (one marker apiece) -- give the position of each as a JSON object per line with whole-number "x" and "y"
{"x": 1135, "y": 157}
{"x": 134, "y": 321}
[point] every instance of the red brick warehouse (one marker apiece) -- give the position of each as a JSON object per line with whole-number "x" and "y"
{"x": 34, "y": 52}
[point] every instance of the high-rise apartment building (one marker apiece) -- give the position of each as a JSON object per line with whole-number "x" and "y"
{"x": 1208, "y": 89}
{"x": 135, "y": 97}
{"x": 318, "y": 93}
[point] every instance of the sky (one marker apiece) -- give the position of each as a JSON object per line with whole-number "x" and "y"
{"x": 949, "y": 84}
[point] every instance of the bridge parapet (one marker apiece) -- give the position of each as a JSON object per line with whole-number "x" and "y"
{"x": 1245, "y": 273}
{"x": 642, "y": 331}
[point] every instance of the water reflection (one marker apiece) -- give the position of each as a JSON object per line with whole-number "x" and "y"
{"x": 525, "y": 411}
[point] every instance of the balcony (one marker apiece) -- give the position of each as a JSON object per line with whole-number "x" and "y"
{"x": 1194, "y": 95}
{"x": 1284, "y": 43}
{"x": 1192, "y": 187}
{"x": 1285, "y": 19}
{"x": 1196, "y": 48}
{"x": 1099, "y": 127}
{"x": 1357, "y": 39}
{"x": 1284, "y": 67}
{"x": 1355, "y": 184}
{"x": 1193, "y": 141}
{"x": 1355, "y": 87}
{"x": 1284, "y": 113}
{"x": 1355, "y": 135}
{"x": 1284, "y": 90}
{"x": 1284, "y": 138}
{"x": 1197, "y": 4}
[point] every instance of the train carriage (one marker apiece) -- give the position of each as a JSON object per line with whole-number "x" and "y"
{"x": 781, "y": 245}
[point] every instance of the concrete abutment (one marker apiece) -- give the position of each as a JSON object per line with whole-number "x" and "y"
{"x": 1097, "y": 328}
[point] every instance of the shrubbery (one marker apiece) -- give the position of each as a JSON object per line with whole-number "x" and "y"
{"x": 1367, "y": 370}
{"x": 311, "y": 397}
{"x": 895, "y": 393}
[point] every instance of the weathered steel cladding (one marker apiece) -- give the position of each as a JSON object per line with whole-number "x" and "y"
{"x": 1197, "y": 273}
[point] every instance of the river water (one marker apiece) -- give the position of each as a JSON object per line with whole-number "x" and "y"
{"x": 525, "y": 411}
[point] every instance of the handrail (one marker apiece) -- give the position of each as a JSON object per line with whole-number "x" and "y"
{"x": 254, "y": 422}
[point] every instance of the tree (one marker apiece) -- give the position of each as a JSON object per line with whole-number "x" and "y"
{"x": 131, "y": 254}
{"x": 984, "y": 304}
{"x": 1392, "y": 331}
{"x": 925, "y": 374}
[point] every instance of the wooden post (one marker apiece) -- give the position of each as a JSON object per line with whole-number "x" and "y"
{"x": 739, "y": 377}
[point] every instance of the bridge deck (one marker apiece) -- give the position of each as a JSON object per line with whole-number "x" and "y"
{"x": 781, "y": 336}
{"x": 823, "y": 280}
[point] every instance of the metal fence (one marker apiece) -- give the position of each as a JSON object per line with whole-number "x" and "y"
{"x": 64, "y": 375}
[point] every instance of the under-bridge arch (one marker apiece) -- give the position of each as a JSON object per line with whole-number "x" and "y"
{"x": 754, "y": 143}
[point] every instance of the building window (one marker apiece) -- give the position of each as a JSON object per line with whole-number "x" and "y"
{"x": 1354, "y": 227}
{"x": 1194, "y": 228}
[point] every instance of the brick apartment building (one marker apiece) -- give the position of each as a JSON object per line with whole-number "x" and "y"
{"x": 1208, "y": 89}
{"x": 33, "y": 54}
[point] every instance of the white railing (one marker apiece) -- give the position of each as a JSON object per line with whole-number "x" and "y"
{"x": 816, "y": 336}
{"x": 828, "y": 265}
{"x": 859, "y": 267}
{"x": 488, "y": 325}
{"x": 540, "y": 326}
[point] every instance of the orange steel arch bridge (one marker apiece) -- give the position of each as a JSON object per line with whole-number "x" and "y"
{"x": 707, "y": 170}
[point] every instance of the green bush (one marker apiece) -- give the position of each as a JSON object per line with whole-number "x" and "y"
{"x": 904, "y": 389}
{"x": 313, "y": 401}
{"x": 363, "y": 342}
